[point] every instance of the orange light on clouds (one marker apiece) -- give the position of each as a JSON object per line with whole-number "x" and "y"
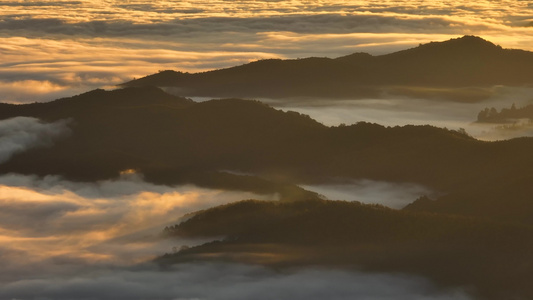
{"x": 72, "y": 47}
{"x": 57, "y": 217}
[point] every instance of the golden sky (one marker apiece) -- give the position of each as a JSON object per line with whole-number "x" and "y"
{"x": 57, "y": 48}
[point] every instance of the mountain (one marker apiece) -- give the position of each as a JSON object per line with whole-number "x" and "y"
{"x": 461, "y": 62}
{"x": 169, "y": 139}
{"x": 479, "y": 220}
{"x": 174, "y": 140}
{"x": 96, "y": 102}
{"x": 488, "y": 256}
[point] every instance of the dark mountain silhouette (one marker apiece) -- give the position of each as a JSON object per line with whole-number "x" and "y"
{"x": 173, "y": 140}
{"x": 457, "y": 251}
{"x": 169, "y": 139}
{"x": 462, "y": 62}
{"x": 506, "y": 199}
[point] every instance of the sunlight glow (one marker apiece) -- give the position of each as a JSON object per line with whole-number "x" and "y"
{"x": 61, "y": 220}
{"x": 75, "y": 46}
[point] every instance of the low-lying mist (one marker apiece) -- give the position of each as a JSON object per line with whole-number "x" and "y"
{"x": 393, "y": 195}
{"x": 22, "y": 133}
{"x": 450, "y": 108}
{"x": 226, "y": 282}
{"x": 50, "y": 223}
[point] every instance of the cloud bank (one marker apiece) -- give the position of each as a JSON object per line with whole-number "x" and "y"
{"x": 228, "y": 282}
{"x": 22, "y": 133}
{"x": 393, "y": 195}
{"x": 75, "y": 225}
{"x": 450, "y": 108}
{"x": 69, "y": 47}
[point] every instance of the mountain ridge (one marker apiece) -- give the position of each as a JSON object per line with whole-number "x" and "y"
{"x": 173, "y": 140}
{"x": 460, "y": 62}
{"x": 453, "y": 251}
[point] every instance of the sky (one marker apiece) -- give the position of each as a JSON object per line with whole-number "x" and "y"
{"x": 51, "y": 49}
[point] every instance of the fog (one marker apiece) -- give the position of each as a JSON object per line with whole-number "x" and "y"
{"x": 393, "y": 195}
{"x": 72, "y": 240}
{"x": 50, "y": 223}
{"x": 22, "y": 133}
{"x": 453, "y": 109}
{"x": 521, "y": 128}
{"x": 226, "y": 282}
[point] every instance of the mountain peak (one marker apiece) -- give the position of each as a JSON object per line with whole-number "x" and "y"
{"x": 125, "y": 97}
{"x": 467, "y": 49}
{"x": 459, "y": 62}
{"x": 472, "y": 40}
{"x": 466, "y": 43}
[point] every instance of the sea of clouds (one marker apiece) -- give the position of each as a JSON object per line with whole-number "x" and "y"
{"x": 52, "y": 49}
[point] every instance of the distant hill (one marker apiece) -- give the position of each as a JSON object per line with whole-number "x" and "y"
{"x": 488, "y": 256}
{"x": 169, "y": 139}
{"x": 173, "y": 140}
{"x": 461, "y": 62}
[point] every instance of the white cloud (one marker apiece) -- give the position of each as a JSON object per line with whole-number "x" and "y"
{"x": 228, "y": 282}
{"x": 107, "y": 222}
{"x": 22, "y": 133}
{"x": 419, "y": 106}
{"x": 394, "y": 195}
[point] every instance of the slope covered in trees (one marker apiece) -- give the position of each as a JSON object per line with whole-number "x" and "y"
{"x": 461, "y": 62}
{"x": 484, "y": 211}
{"x": 173, "y": 140}
{"x": 489, "y": 256}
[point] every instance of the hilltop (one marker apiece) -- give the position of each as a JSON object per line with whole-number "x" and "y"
{"x": 452, "y": 251}
{"x": 456, "y": 63}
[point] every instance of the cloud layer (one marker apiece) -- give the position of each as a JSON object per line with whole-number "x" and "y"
{"x": 419, "y": 107}
{"x": 58, "y": 48}
{"x": 228, "y": 282}
{"x": 80, "y": 224}
{"x": 22, "y": 133}
{"x": 394, "y": 195}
